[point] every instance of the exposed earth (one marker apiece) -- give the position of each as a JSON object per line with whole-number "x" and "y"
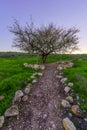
{"x": 42, "y": 111}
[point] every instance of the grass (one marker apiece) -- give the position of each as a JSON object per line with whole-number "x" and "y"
{"x": 78, "y": 75}
{"x": 13, "y": 76}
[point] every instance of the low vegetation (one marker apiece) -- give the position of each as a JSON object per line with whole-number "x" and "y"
{"x": 14, "y": 76}
{"x": 78, "y": 75}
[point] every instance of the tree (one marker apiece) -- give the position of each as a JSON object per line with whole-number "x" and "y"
{"x": 44, "y": 40}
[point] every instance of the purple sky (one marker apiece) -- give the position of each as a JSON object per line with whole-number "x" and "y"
{"x": 66, "y": 13}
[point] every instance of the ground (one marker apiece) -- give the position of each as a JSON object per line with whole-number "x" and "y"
{"x": 42, "y": 111}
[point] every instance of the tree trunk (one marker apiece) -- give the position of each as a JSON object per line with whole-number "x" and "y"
{"x": 44, "y": 57}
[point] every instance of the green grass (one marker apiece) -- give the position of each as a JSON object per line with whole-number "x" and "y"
{"x": 13, "y": 76}
{"x": 78, "y": 75}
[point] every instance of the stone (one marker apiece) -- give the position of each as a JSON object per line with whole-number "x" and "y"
{"x": 71, "y": 64}
{"x": 10, "y": 129}
{"x": 65, "y": 104}
{"x": 27, "y": 90}
{"x": 18, "y": 95}
{"x": 70, "y": 84}
{"x": 25, "y": 98}
{"x": 42, "y": 67}
{"x": 12, "y": 111}
{"x": 60, "y": 68}
{"x": 35, "y": 74}
{"x": 85, "y": 119}
{"x": 40, "y": 74}
{"x": 68, "y": 124}
{"x": 67, "y": 89}
{"x": 70, "y": 115}
{"x": 36, "y": 66}
{"x": 1, "y": 98}
{"x": 34, "y": 81}
{"x": 70, "y": 99}
{"x": 76, "y": 111}
{"x": 59, "y": 76}
{"x": 63, "y": 80}
{"x": 28, "y": 85}
{"x": 1, "y": 121}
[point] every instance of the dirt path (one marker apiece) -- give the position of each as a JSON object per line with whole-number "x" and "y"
{"x": 42, "y": 110}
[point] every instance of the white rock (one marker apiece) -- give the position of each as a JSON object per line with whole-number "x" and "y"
{"x": 68, "y": 124}
{"x": 70, "y": 84}
{"x": 70, "y": 99}
{"x": 60, "y": 68}
{"x": 12, "y": 111}
{"x": 67, "y": 89}
{"x": 71, "y": 64}
{"x": 63, "y": 80}
{"x": 40, "y": 74}
{"x": 28, "y": 85}
{"x": 36, "y": 66}
{"x": 65, "y": 104}
{"x": 34, "y": 81}
{"x": 1, "y": 121}
{"x": 25, "y": 98}
{"x": 59, "y": 76}
{"x": 85, "y": 119}
{"x": 1, "y": 98}
{"x": 27, "y": 90}
{"x": 42, "y": 67}
{"x": 34, "y": 74}
{"x": 18, "y": 95}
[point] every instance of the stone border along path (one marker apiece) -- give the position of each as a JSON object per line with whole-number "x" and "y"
{"x": 41, "y": 110}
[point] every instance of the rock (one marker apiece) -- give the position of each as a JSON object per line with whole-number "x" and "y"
{"x": 10, "y": 129}
{"x": 34, "y": 81}
{"x": 76, "y": 111}
{"x": 18, "y": 95}
{"x": 59, "y": 76}
{"x": 67, "y": 89}
{"x": 45, "y": 116}
{"x": 12, "y": 111}
{"x": 25, "y": 98}
{"x": 71, "y": 64}
{"x": 1, "y": 121}
{"x": 60, "y": 68}
{"x": 28, "y": 85}
{"x": 27, "y": 90}
{"x": 65, "y": 104}
{"x": 1, "y": 98}
{"x": 77, "y": 97}
{"x": 42, "y": 67}
{"x": 70, "y": 99}
{"x": 36, "y": 66}
{"x": 35, "y": 74}
{"x": 85, "y": 119}
{"x": 70, "y": 84}
{"x": 70, "y": 115}
{"x": 40, "y": 74}
{"x": 63, "y": 80}
{"x": 68, "y": 124}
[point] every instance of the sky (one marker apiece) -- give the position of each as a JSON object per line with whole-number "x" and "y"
{"x": 65, "y": 13}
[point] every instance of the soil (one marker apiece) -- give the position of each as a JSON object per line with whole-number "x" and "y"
{"x": 42, "y": 111}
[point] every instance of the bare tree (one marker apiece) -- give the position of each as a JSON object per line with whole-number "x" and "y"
{"x": 44, "y": 40}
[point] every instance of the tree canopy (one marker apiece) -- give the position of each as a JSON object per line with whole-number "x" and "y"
{"x": 44, "y": 40}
